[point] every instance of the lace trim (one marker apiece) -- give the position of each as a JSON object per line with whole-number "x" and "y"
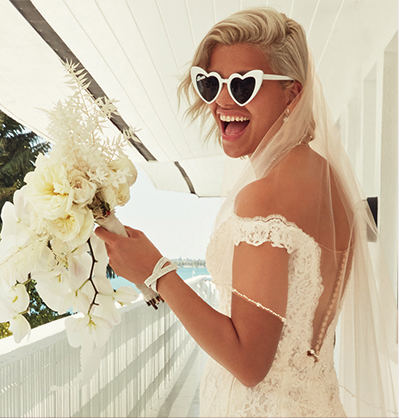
{"x": 259, "y": 229}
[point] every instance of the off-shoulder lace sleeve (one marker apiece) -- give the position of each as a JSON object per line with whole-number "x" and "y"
{"x": 273, "y": 228}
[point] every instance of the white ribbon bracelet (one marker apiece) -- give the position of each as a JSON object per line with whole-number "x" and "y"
{"x": 159, "y": 270}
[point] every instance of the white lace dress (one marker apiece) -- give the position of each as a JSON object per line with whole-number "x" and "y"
{"x": 296, "y": 385}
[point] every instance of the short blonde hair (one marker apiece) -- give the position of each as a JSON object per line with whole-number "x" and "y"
{"x": 280, "y": 38}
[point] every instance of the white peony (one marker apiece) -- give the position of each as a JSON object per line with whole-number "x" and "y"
{"x": 74, "y": 228}
{"x": 83, "y": 189}
{"x": 48, "y": 189}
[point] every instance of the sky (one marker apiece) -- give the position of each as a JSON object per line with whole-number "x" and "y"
{"x": 179, "y": 224}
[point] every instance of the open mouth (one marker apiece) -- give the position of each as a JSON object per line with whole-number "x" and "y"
{"x": 233, "y": 125}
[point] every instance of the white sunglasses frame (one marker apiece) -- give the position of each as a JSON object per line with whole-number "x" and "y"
{"x": 258, "y": 75}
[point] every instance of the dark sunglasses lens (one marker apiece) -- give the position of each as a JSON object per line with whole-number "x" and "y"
{"x": 242, "y": 89}
{"x": 207, "y": 86}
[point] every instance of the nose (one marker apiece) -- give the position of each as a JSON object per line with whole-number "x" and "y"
{"x": 224, "y": 99}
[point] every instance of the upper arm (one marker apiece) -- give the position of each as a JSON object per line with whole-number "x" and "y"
{"x": 261, "y": 274}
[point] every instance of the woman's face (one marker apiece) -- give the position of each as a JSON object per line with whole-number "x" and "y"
{"x": 241, "y": 138}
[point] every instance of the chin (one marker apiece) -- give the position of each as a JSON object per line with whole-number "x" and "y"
{"x": 233, "y": 151}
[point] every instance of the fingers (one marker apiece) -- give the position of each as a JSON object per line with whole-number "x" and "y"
{"x": 109, "y": 237}
{"x": 134, "y": 233}
{"x": 154, "y": 302}
{"x": 106, "y": 236}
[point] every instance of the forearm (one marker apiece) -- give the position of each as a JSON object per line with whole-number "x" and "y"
{"x": 245, "y": 343}
{"x": 213, "y": 331}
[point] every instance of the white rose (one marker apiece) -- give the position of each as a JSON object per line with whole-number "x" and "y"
{"x": 83, "y": 189}
{"x": 125, "y": 166}
{"x": 116, "y": 196}
{"x": 49, "y": 190}
{"x": 74, "y": 228}
{"x": 122, "y": 194}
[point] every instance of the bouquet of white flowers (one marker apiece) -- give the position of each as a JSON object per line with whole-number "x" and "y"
{"x": 47, "y": 233}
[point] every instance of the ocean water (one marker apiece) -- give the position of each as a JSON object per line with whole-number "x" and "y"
{"x": 184, "y": 272}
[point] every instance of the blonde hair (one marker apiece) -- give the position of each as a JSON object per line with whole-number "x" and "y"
{"x": 280, "y": 38}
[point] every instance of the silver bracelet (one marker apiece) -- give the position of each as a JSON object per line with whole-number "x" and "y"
{"x": 159, "y": 270}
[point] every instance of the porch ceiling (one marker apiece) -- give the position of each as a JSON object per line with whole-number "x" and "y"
{"x": 136, "y": 51}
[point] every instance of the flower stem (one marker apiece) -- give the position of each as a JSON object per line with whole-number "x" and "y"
{"x": 90, "y": 279}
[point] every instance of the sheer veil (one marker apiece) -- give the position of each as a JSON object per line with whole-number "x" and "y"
{"x": 357, "y": 287}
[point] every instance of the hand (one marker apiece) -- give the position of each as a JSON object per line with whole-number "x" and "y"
{"x": 133, "y": 258}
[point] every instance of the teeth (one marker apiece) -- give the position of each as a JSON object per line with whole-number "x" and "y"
{"x": 225, "y": 118}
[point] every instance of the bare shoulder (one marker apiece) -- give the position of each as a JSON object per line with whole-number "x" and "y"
{"x": 290, "y": 188}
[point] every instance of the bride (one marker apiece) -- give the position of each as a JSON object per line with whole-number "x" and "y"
{"x": 289, "y": 252}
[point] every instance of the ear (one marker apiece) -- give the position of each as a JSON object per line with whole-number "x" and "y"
{"x": 293, "y": 91}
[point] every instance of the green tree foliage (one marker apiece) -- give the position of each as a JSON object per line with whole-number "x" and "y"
{"x": 18, "y": 151}
{"x": 4, "y": 330}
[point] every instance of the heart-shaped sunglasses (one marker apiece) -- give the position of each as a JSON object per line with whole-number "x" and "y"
{"x": 242, "y": 88}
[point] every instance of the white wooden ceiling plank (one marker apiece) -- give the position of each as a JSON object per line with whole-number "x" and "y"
{"x": 206, "y": 174}
{"x": 174, "y": 15}
{"x": 224, "y": 8}
{"x": 322, "y": 25}
{"x": 165, "y": 176}
{"x": 247, "y": 4}
{"x": 177, "y": 27}
{"x": 150, "y": 25}
{"x": 124, "y": 82}
{"x": 303, "y": 11}
{"x": 283, "y": 6}
{"x": 95, "y": 46}
{"x": 202, "y": 18}
{"x": 159, "y": 88}
{"x": 31, "y": 75}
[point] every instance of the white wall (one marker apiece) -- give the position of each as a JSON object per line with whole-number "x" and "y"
{"x": 389, "y": 158}
{"x": 369, "y": 130}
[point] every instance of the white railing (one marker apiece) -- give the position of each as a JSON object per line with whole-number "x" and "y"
{"x": 141, "y": 362}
